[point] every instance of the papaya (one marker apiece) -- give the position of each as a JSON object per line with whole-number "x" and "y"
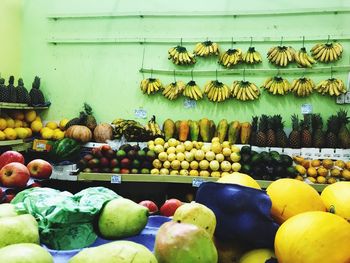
{"x": 233, "y": 132}
{"x": 168, "y": 129}
{"x": 204, "y": 129}
{"x": 246, "y": 130}
{"x": 194, "y": 130}
{"x": 184, "y": 130}
{"x": 177, "y": 126}
{"x": 222, "y": 130}
{"x": 212, "y": 130}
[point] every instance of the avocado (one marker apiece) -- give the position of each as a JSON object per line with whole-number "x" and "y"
{"x": 291, "y": 172}
{"x": 256, "y": 159}
{"x": 245, "y": 158}
{"x": 125, "y": 147}
{"x": 274, "y": 154}
{"x": 277, "y": 160}
{"x": 286, "y": 160}
{"x": 246, "y": 168}
{"x": 245, "y": 149}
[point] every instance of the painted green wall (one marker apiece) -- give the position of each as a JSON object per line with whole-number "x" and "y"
{"x": 107, "y": 75}
{"x": 11, "y": 37}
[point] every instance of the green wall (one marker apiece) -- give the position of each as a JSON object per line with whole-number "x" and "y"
{"x": 11, "y": 37}
{"x": 107, "y": 75}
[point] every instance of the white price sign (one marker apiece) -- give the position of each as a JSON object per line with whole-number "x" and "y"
{"x": 116, "y": 179}
{"x": 197, "y": 182}
{"x": 306, "y": 109}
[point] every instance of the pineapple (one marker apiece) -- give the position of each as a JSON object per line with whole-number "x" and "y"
{"x": 281, "y": 136}
{"x": 332, "y": 131}
{"x": 305, "y": 134}
{"x": 270, "y": 134}
{"x": 12, "y": 90}
{"x": 254, "y": 130}
{"x": 344, "y": 133}
{"x": 318, "y": 136}
{"x": 4, "y": 94}
{"x": 261, "y": 135}
{"x": 81, "y": 120}
{"x": 90, "y": 119}
{"x": 36, "y": 95}
{"x": 22, "y": 93}
{"x": 294, "y": 136}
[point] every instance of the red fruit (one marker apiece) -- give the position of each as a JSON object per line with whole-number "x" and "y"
{"x": 105, "y": 148}
{"x": 93, "y": 163}
{"x": 152, "y": 207}
{"x": 14, "y": 175}
{"x": 104, "y": 162}
{"x": 11, "y": 157}
{"x": 113, "y": 163}
{"x": 9, "y": 198}
{"x": 96, "y": 152}
{"x": 124, "y": 171}
{"x": 40, "y": 169}
{"x": 109, "y": 154}
{"x": 125, "y": 162}
{"x": 88, "y": 157}
{"x": 169, "y": 207}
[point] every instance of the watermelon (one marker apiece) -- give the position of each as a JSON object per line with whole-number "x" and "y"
{"x": 65, "y": 149}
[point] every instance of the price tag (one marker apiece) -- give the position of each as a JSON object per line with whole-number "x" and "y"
{"x": 327, "y": 153}
{"x": 189, "y": 104}
{"x": 141, "y": 113}
{"x": 197, "y": 182}
{"x": 346, "y": 155}
{"x": 306, "y": 109}
{"x": 347, "y": 97}
{"x": 116, "y": 179}
{"x": 340, "y": 99}
{"x": 292, "y": 152}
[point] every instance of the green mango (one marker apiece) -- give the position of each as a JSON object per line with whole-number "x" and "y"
{"x": 233, "y": 132}
{"x": 18, "y": 229}
{"x": 168, "y": 129}
{"x": 122, "y": 218}
{"x": 204, "y": 129}
{"x": 25, "y": 253}
{"x": 222, "y": 130}
{"x": 184, "y": 243}
{"x": 117, "y": 251}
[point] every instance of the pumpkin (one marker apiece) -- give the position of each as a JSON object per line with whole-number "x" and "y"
{"x": 257, "y": 256}
{"x": 103, "y": 132}
{"x": 79, "y": 133}
{"x": 336, "y": 197}
{"x": 313, "y": 237}
{"x": 241, "y": 179}
{"x": 290, "y": 197}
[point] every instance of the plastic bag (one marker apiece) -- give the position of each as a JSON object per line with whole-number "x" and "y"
{"x": 65, "y": 220}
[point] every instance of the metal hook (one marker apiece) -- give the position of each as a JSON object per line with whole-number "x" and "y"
{"x": 231, "y": 42}
{"x": 216, "y": 74}
{"x": 151, "y": 72}
{"x": 251, "y": 41}
{"x": 331, "y": 72}
{"x": 281, "y": 41}
{"x": 278, "y": 72}
{"x": 181, "y": 42}
{"x": 192, "y": 74}
{"x": 244, "y": 74}
{"x": 174, "y": 76}
{"x": 304, "y": 71}
{"x": 143, "y": 60}
{"x": 303, "y": 41}
{"x": 329, "y": 37}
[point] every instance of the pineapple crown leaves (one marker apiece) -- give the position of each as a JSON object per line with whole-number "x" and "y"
{"x": 277, "y": 122}
{"x": 20, "y": 82}
{"x": 87, "y": 109}
{"x": 2, "y": 81}
{"x": 263, "y": 123}
{"x": 333, "y": 124}
{"x": 271, "y": 122}
{"x": 36, "y": 83}
{"x": 316, "y": 121}
{"x": 342, "y": 116}
{"x": 11, "y": 80}
{"x": 295, "y": 122}
{"x": 255, "y": 123}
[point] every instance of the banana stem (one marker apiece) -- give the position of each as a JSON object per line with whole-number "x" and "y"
{"x": 281, "y": 41}
{"x": 251, "y": 41}
{"x": 303, "y": 41}
{"x": 174, "y": 76}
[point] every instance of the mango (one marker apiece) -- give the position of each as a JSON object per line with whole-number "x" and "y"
{"x": 184, "y": 130}
{"x": 168, "y": 129}
{"x": 212, "y": 130}
{"x": 204, "y": 129}
{"x": 222, "y": 130}
{"x": 246, "y": 130}
{"x": 233, "y": 132}
{"x": 194, "y": 130}
{"x": 177, "y": 127}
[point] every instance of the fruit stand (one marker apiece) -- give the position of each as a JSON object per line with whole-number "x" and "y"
{"x": 135, "y": 131}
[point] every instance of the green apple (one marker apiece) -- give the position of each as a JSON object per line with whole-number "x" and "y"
{"x": 184, "y": 243}
{"x": 122, "y": 218}
{"x": 18, "y": 229}
{"x": 7, "y": 210}
{"x": 25, "y": 253}
{"x": 117, "y": 251}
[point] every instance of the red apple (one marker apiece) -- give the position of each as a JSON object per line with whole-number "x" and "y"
{"x": 96, "y": 152}
{"x": 14, "y": 175}
{"x": 152, "y": 207}
{"x": 169, "y": 207}
{"x": 40, "y": 169}
{"x": 124, "y": 171}
{"x": 88, "y": 157}
{"x": 11, "y": 157}
{"x": 105, "y": 148}
{"x": 104, "y": 162}
{"x": 113, "y": 163}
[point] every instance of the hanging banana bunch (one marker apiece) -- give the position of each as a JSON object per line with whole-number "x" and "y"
{"x": 150, "y": 85}
{"x": 173, "y": 90}
{"x": 303, "y": 59}
{"x": 277, "y": 85}
{"x": 206, "y": 48}
{"x": 331, "y": 86}
{"x": 302, "y": 87}
{"x": 252, "y": 56}
{"x": 193, "y": 91}
{"x": 281, "y": 56}
{"x": 328, "y": 52}
{"x": 231, "y": 57}
{"x": 217, "y": 91}
{"x": 244, "y": 90}
{"x": 180, "y": 56}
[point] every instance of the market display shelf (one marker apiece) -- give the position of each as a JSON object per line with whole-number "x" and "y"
{"x": 20, "y": 106}
{"x": 148, "y": 178}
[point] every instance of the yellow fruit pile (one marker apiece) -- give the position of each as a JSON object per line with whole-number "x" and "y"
{"x": 16, "y": 124}
{"x": 324, "y": 171}
{"x": 54, "y": 130}
{"x": 195, "y": 158}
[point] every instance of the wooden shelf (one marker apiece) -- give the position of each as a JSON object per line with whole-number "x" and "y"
{"x": 148, "y": 178}
{"x": 21, "y": 106}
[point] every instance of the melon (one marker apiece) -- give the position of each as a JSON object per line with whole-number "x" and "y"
{"x": 103, "y": 132}
{"x": 290, "y": 197}
{"x": 336, "y": 197}
{"x": 313, "y": 237}
{"x": 241, "y": 179}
